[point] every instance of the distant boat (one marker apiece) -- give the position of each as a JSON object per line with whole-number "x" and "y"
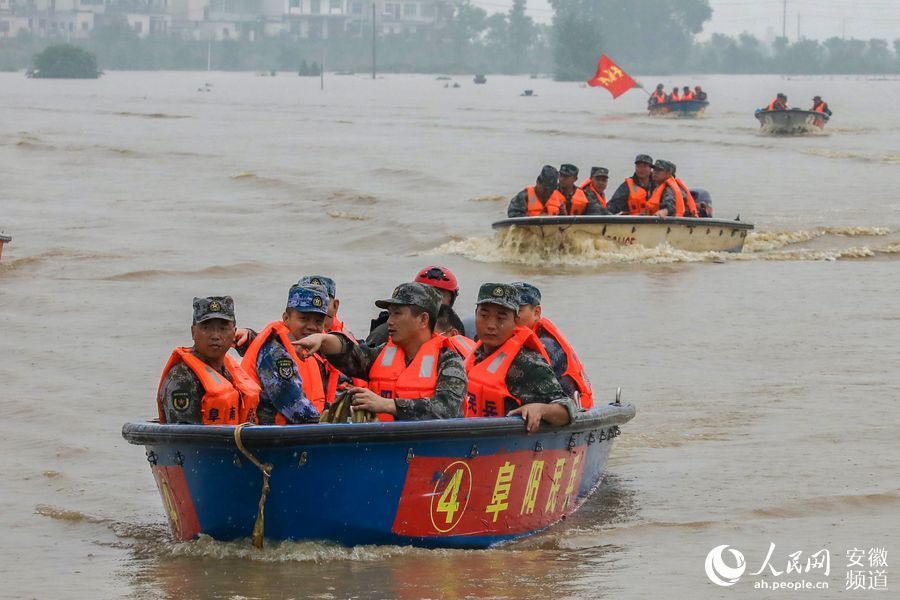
{"x": 679, "y": 108}
{"x": 791, "y": 122}
{"x": 479, "y": 79}
{"x": 4, "y": 239}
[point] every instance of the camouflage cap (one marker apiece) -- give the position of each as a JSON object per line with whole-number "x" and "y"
{"x": 549, "y": 177}
{"x": 568, "y": 170}
{"x": 308, "y": 299}
{"x": 326, "y": 282}
{"x": 213, "y": 307}
{"x": 529, "y": 295}
{"x": 664, "y": 165}
{"x": 643, "y": 158}
{"x": 415, "y": 294}
{"x": 501, "y": 294}
{"x": 599, "y": 172}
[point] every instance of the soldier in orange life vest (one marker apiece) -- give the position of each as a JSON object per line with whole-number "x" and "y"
{"x": 779, "y": 103}
{"x": 451, "y": 326}
{"x": 595, "y": 190}
{"x": 416, "y": 375}
{"x": 631, "y": 197}
{"x": 563, "y": 359}
{"x": 699, "y": 94}
{"x": 294, "y": 390}
{"x": 820, "y": 105}
{"x": 667, "y": 200}
{"x": 533, "y": 201}
{"x": 673, "y": 97}
{"x": 686, "y": 94}
{"x": 508, "y": 371}
{"x": 657, "y": 97}
{"x": 569, "y": 199}
{"x": 203, "y": 384}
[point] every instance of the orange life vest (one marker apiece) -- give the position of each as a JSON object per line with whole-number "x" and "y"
{"x": 673, "y": 97}
{"x": 819, "y": 107}
{"x": 589, "y": 185}
{"x": 463, "y": 345}
{"x": 223, "y": 402}
{"x": 776, "y": 105}
{"x": 487, "y": 391}
{"x": 557, "y": 203}
{"x": 653, "y": 204}
{"x": 574, "y": 368}
{"x": 688, "y": 95}
{"x": 535, "y": 206}
{"x": 308, "y": 368}
{"x": 391, "y": 377}
{"x": 659, "y": 96}
{"x": 637, "y": 197}
{"x": 690, "y": 207}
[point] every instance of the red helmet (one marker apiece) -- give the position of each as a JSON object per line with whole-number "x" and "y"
{"x": 438, "y": 277}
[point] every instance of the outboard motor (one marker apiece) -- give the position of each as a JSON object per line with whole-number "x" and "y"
{"x": 704, "y": 203}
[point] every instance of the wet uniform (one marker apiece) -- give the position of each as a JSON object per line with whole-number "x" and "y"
{"x": 357, "y": 360}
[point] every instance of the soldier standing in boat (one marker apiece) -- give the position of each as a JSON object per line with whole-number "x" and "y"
{"x": 631, "y": 196}
{"x": 416, "y": 375}
{"x": 202, "y": 384}
{"x": 595, "y": 190}
{"x": 563, "y": 358}
{"x": 509, "y": 372}
{"x": 533, "y": 201}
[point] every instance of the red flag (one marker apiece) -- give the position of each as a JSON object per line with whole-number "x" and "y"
{"x": 611, "y": 77}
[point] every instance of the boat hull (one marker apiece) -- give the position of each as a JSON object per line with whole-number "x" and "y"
{"x": 693, "y": 235}
{"x": 682, "y": 108}
{"x": 463, "y": 483}
{"x": 791, "y": 122}
{"x": 4, "y": 239}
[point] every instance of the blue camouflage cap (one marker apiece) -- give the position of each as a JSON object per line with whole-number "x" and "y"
{"x": 528, "y": 294}
{"x": 213, "y": 307}
{"x": 308, "y": 299}
{"x": 326, "y": 282}
{"x": 501, "y": 294}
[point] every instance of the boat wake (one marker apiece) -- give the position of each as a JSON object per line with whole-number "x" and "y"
{"x": 578, "y": 249}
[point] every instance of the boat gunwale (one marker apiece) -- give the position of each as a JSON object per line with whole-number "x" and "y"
{"x": 620, "y": 219}
{"x": 686, "y": 105}
{"x": 5, "y": 238}
{"x": 273, "y": 436}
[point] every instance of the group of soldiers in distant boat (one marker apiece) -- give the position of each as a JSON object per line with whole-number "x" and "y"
{"x": 780, "y": 103}
{"x": 659, "y": 96}
{"x": 652, "y": 190}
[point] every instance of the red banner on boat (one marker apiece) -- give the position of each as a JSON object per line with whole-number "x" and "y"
{"x": 611, "y": 77}
{"x": 486, "y": 495}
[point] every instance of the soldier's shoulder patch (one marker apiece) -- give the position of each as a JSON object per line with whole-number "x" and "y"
{"x": 285, "y": 368}
{"x": 180, "y": 400}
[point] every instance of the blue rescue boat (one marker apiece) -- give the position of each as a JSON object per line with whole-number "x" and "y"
{"x": 679, "y": 108}
{"x": 459, "y": 483}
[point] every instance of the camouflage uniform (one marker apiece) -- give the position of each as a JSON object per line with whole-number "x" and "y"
{"x": 180, "y": 393}
{"x": 619, "y": 201}
{"x": 357, "y": 360}
{"x": 667, "y": 200}
{"x": 530, "y": 378}
{"x": 279, "y": 380}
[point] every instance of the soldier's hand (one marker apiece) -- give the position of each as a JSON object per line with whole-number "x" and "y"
{"x": 366, "y": 399}
{"x": 240, "y": 337}
{"x": 309, "y": 345}
{"x": 531, "y": 414}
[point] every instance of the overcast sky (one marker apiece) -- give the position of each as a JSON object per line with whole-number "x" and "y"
{"x": 818, "y": 19}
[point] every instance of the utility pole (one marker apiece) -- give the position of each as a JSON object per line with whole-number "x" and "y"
{"x": 784, "y": 19}
{"x": 373, "y": 40}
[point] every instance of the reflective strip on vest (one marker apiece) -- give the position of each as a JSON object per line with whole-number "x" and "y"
{"x": 387, "y": 359}
{"x": 427, "y": 366}
{"x": 496, "y": 363}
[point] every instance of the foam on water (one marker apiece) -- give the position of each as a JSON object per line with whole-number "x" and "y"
{"x": 578, "y": 249}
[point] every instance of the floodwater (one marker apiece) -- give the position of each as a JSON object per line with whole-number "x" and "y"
{"x": 766, "y": 383}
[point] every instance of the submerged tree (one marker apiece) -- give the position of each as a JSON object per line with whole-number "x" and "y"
{"x": 66, "y": 62}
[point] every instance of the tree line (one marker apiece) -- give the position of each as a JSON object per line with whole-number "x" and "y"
{"x": 642, "y": 36}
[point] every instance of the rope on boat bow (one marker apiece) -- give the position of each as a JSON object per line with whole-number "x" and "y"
{"x": 266, "y": 469}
